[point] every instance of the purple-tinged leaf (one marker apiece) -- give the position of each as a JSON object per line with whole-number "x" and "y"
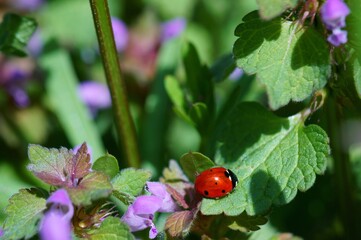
{"x": 50, "y": 165}
{"x": 59, "y": 167}
{"x": 80, "y": 163}
{"x": 178, "y": 197}
{"x": 179, "y": 223}
{"x": 93, "y": 186}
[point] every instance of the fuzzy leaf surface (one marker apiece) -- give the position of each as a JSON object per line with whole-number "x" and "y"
{"x": 50, "y": 165}
{"x": 24, "y": 212}
{"x": 80, "y": 164}
{"x": 111, "y": 228}
{"x": 272, "y": 157}
{"x": 194, "y": 162}
{"x": 107, "y": 164}
{"x": 269, "y": 9}
{"x": 92, "y": 187}
{"x": 292, "y": 63}
{"x": 179, "y": 223}
{"x": 59, "y": 167}
{"x": 129, "y": 183}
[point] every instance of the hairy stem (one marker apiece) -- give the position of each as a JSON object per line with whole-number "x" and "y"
{"x": 123, "y": 120}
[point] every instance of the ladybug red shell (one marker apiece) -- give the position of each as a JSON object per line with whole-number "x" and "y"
{"x": 215, "y": 182}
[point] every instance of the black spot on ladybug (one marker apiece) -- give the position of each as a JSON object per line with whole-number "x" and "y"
{"x": 233, "y": 178}
{"x": 206, "y": 193}
{"x": 223, "y": 191}
{"x": 216, "y": 183}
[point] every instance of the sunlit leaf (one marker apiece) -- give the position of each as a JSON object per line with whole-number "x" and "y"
{"x": 291, "y": 62}
{"x": 273, "y": 158}
{"x": 111, "y": 228}
{"x": 24, "y": 212}
{"x": 269, "y": 9}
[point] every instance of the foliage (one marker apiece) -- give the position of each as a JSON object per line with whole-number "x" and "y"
{"x": 278, "y": 104}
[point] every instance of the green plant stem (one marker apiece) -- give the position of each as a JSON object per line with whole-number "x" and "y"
{"x": 123, "y": 120}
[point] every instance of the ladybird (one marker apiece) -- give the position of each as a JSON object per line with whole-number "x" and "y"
{"x": 215, "y": 182}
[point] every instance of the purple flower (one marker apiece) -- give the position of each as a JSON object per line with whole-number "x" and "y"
{"x": 27, "y": 5}
{"x": 236, "y": 74}
{"x": 56, "y": 223}
{"x": 140, "y": 214}
{"x": 333, "y": 13}
{"x": 95, "y": 95}
{"x": 337, "y": 37}
{"x": 172, "y": 28}
{"x": 120, "y": 33}
{"x": 1, "y": 232}
{"x": 158, "y": 189}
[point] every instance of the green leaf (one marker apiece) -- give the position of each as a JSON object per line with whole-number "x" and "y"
{"x": 353, "y": 25}
{"x": 194, "y": 162}
{"x": 94, "y": 186}
{"x": 11, "y": 182}
{"x": 269, "y": 9}
{"x": 15, "y": 32}
{"x": 199, "y": 114}
{"x": 291, "y": 62}
{"x": 107, "y": 164}
{"x": 272, "y": 157}
{"x": 70, "y": 12}
{"x": 245, "y": 223}
{"x": 24, "y": 212}
{"x": 223, "y": 68}
{"x": 129, "y": 183}
{"x": 157, "y": 107}
{"x": 61, "y": 86}
{"x": 50, "y": 165}
{"x": 357, "y": 74}
{"x": 111, "y": 229}
{"x": 199, "y": 77}
{"x": 177, "y": 96}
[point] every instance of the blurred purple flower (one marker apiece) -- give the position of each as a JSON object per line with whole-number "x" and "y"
{"x": 333, "y": 13}
{"x": 337, "y": 37}
{"x": 56, "y": 223}
{"x": 13, "y": 80}
{"x": 1, "y": 232}
{"x": 172, "y": 28}
{"x": 140, "y": 214}
{"x": 35, "y": 44}
{"x": 27, "y": 5}
{"x": 120, "y": 33}
{"x": 95, "y": 95}
{"x": 236, "y": 74}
